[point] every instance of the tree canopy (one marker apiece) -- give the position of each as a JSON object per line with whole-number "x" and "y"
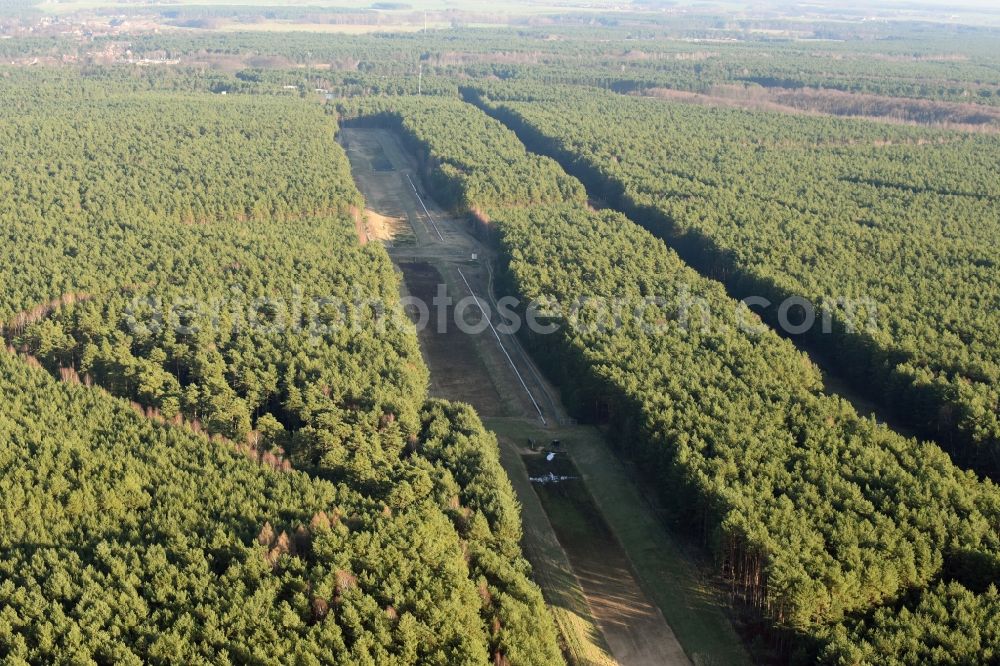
{"x": 204, "y": 456}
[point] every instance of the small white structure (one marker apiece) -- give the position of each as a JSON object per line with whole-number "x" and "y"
{"x": 550, "y": 478}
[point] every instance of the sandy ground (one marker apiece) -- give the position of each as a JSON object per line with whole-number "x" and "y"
{"x": 385, "y": 228}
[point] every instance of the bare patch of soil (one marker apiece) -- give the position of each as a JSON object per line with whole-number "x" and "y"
{"x": 385, "y": 228}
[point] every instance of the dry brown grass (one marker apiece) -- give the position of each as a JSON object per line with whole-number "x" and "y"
{"x": 383, "y": 227}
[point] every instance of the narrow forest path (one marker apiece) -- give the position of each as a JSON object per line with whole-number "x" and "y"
{"x": 602, "y": 605}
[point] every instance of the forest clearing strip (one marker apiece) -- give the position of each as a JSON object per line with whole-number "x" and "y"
{"x": 557, "y": 412}
{"x": 426, "y": 212}
{"x": 585, "y": 643}
{"x": 693, "y": 605}
{"x": 513, "y": 366}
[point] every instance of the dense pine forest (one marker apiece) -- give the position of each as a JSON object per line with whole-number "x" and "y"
{"x": 221, "y": 439}
{"x": 270, "y": 484}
